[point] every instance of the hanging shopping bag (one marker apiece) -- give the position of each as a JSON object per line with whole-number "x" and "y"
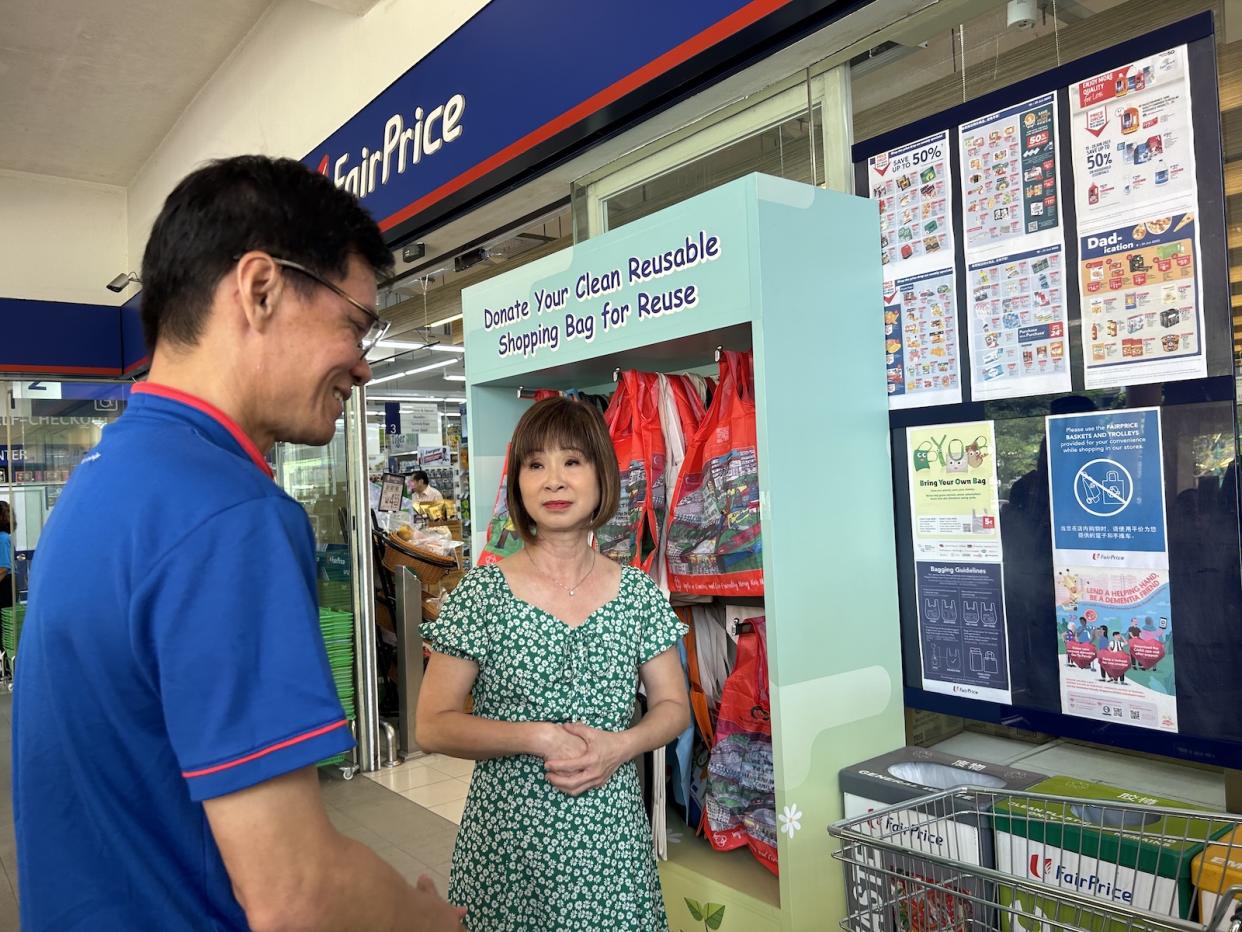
{"x": 741, "y": 788}
{"x": 502, "y": 536}
{"x": 631, "y": 536}
{"x": 618, "y": 538}
{"x": 713, "y": 545}
{"x": 680, "y": 408}
{"x": 655, "y": 459}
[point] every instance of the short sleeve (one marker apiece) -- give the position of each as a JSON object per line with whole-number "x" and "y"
{"x": 6, "y": 556}
{"x": 230, "y": 617}
{"x": 660, "y": 628}
{"x": 461, "y": 630}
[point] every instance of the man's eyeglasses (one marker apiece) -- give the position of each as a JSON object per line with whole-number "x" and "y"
{"x": 378, "y": 327}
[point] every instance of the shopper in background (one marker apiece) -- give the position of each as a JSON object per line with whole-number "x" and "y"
{"x": 421, "y": 489}
{"x": 7, "y": 526}
{"x": 552, "y": 641}
{"x": 174, "y": 692}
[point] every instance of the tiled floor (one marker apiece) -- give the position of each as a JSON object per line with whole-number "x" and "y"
{"x": 407, "y": 814}
{"x": 436, "y": 782}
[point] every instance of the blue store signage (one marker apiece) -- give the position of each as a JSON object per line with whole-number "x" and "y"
{"x": 526, "y": 82}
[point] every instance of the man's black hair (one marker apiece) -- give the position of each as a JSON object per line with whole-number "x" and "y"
{"x": 232, "y": 206}
{"x": 420, "y": 476}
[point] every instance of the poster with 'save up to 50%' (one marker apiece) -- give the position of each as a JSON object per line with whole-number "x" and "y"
{"x": 914, "y": 192}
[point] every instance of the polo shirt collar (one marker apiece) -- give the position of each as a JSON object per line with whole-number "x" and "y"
{"x": 207, "y": 408}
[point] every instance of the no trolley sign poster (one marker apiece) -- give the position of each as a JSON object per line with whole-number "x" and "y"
{"x": 1114, "y": 619}
{"x": 1107, "y": 482}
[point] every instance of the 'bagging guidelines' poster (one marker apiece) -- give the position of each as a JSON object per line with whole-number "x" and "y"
{"x": 1114, "y": 620}
{"x": 959, "y": 582}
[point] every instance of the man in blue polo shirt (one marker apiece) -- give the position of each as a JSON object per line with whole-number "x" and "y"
{"x": 174, "y": 692}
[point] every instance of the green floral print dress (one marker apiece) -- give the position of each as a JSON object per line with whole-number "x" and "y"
{"x": 528, "y": 856}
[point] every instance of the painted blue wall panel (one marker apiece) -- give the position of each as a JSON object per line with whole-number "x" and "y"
{"x": 59, "y": 338}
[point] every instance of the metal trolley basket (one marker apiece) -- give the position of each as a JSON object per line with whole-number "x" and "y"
{"x": 967, "y": 859}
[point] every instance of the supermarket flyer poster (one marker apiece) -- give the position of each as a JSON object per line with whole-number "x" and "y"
{"x": 1132, "y": 138}
{"x": 921, "y": 343}
{"x": 954, "y": 497}
{"x": 1010, "y": 178}
{"x": 1142, "y": 314}
{"x": 962, "y": 633}
{"x": 1019, "y": 343}
{"x": 1115, "y": 643}
{"x": 913, "y": 190}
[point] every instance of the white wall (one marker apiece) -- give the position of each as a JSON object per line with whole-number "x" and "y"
{"x": 61, "y": 240}
{"x": 302, "y": 72}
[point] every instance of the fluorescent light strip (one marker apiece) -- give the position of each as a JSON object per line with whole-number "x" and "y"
{"x": 400, "y": 344}
{"x": 416, "y": 399}
{"x": 454, "y": 378}
{"x": 446, "y": 320}
{"x": 397, "y": 375}
{"x": 406, "y": 346}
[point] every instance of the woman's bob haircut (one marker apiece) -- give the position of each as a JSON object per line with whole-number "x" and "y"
{"x": 566, "y": 424}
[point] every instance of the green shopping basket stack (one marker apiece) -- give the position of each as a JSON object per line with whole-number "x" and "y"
{"x": 338, "y": 639}
{"x": 11, "y": 620}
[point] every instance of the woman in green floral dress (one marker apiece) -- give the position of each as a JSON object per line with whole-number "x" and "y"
{"x": 552, "y": 643}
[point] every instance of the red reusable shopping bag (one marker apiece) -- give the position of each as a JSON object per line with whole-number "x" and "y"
{"x": 618, "y": 538}
{"x": 633, "y": 422}
{"x": 741, "y": 788}
{"x": 714, "y": 545}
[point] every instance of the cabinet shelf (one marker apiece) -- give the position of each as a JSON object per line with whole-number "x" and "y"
{"x": 694, "y": 869}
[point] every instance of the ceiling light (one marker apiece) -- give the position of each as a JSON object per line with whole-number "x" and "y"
{"x": 447, "y": 320}
{"x": 397, "y": 375}
{"x": 447, "y": 348}
{"x": 439, "y": 364}
{"x": 454, "y": 378}
{"x": 400, "y": 344}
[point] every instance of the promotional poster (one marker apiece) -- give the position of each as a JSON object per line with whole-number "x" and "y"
{"x": 1133, "y": 142}
{"x": 921, "y": 341}
{"x": 1142, "y": 315}
{"x": 1019, "y": 335}
{"x": 1010, "y": 182}
{"x": 912, "y": 188}
{"x": 1114, "y": 619}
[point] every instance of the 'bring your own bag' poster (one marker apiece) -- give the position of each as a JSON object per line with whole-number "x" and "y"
{"x": 959, "y": 582}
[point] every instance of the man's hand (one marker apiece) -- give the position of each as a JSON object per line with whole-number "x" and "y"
{"x": 605, "y": 752}
{"x": 438, "y": 915}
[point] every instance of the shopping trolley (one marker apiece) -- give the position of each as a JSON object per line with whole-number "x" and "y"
{"x": 967, "y": 859}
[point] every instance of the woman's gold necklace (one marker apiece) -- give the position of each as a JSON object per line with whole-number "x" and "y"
{"x": 572, "y": 590}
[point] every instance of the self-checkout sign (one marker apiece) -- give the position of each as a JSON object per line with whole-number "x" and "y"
{"x": 1104, "y": 488}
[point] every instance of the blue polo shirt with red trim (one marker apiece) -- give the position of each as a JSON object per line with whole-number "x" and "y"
{"x": 171, "y": 654}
